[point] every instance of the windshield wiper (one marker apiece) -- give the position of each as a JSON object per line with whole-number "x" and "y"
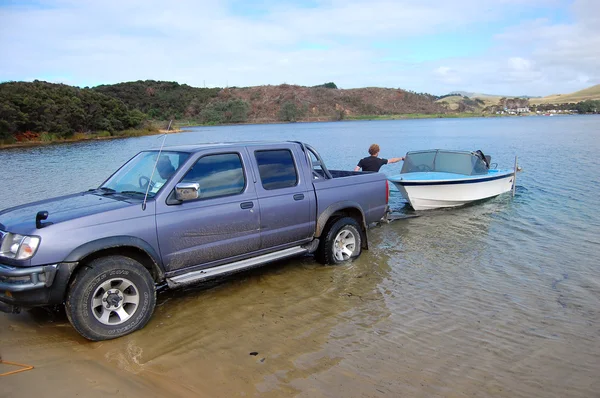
{"x": 133, "y": 192}
{"x": 105, "y": 191}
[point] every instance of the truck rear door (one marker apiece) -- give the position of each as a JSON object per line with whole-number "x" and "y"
{"x": 285, "y": 195}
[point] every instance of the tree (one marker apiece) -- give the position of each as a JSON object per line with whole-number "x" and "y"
{"x": 231, "y": 111}
{"x": 289, "y": 112}
{"x": 327, "y": 85}
{"x": 588, "y": 106}
{"x": 237, "y": 111}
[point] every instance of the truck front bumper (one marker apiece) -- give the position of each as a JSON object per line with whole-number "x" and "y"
{"x": 13, "y": 279}
{"x": 33, "y": 286}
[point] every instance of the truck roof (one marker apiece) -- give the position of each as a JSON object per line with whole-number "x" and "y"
{"x": 198, "y": 147}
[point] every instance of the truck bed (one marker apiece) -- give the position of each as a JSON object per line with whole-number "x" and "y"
{"x": 342, "y": 173}
{"x": 368, "y": 189}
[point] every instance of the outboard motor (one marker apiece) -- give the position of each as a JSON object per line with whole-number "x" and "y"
{"x": 486, "y": 159}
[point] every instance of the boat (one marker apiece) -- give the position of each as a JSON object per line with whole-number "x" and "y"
{"x": 437, "y": 178}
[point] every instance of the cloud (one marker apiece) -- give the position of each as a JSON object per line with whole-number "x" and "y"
{"x": 218, "y": 43}
{"x": 447, "y": 75}
{"x": 563, "y": 54}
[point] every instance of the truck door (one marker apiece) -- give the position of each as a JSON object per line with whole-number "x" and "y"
{"x": 285, "y": 198}
{"x": 222, "y": 223}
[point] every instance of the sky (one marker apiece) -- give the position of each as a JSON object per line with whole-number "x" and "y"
{"x": 503, "y": 47}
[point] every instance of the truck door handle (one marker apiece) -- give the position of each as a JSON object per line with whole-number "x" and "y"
{"x": 299, "y": 196}
{"x": 247, "y": 205}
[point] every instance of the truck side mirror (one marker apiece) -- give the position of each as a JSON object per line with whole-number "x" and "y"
{"x": 187, "y": 191}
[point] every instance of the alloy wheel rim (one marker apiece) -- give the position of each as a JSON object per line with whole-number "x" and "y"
{"x": 115, "y": 301}
{"x": 344, "y": 245}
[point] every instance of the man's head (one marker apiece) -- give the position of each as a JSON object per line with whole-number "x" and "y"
{"x": 374, "y": 149}
{"x": 165, "y": 167}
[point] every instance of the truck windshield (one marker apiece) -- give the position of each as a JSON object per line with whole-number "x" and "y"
{"x": 135, "y": 176}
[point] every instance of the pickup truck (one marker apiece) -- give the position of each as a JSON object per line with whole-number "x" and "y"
{"x": 176, "y": 216}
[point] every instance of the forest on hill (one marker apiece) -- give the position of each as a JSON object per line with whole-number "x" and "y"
{"x": 47, "y": 110}
{"x": 62, "y": 110}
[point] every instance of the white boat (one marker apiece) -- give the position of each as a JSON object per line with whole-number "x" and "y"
{"x": 443, "y": 178}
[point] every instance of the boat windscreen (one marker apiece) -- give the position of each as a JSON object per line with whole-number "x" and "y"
{"x": 456, "y": 162}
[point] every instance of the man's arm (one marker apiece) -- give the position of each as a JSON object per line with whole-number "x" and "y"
{"x": 359, "y": 165}
{"x": 395, "y": 160}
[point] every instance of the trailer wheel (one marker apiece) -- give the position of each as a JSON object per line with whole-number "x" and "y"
{"x": 110, "y": 297}
{"x": 342, "y": 242}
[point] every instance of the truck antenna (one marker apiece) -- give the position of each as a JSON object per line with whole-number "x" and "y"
{"x": 155, "y": 164}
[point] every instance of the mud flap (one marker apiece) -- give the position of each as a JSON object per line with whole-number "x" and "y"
{"x": 312, "y": 246}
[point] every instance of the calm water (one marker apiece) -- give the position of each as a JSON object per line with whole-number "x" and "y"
{"x": 501, "y": 298}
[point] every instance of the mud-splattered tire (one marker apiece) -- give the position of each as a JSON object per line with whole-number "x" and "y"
{"x": 342, "y": 242}
{"x": 110, "y": 297}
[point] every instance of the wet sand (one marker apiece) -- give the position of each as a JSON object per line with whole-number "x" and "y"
{"x": 451, "y": 320}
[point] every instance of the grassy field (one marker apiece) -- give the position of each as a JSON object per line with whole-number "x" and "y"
{"x": 591, "y": 93}
{"x": 452, "y": 101}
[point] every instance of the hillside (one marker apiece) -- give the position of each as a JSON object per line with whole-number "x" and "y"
{"x": 460, "y": 103}
{"x": 591, "y": 93}
{"x": 492, "y": 97}
{"x": 166, "y": 100}
{"x": 60, "y": 111}
{"x": 463, "y": 101}
{"x": 474, "y": 95}
{"x": 288, "y": 102}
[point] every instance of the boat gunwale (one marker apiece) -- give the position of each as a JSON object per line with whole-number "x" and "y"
{"x": 497, "y": 175}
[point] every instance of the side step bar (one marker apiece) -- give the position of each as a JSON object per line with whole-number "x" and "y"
{"x": 230, "y": 268}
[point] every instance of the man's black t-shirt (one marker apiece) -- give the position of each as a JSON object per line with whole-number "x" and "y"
{"x": 371, "y": 163}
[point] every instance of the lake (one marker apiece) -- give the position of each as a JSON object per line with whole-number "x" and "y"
{"x": 500, "y": 298}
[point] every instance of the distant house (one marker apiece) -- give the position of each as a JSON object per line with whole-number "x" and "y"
{"x": 517, "y": 111}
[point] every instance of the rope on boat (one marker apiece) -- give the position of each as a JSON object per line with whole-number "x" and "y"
{"x": 514, "y": 187}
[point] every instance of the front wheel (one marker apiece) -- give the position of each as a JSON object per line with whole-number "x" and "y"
{"x": 110, "y": 297}
{"x": 342, "y": 242}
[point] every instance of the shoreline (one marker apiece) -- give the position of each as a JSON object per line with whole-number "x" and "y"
{"x": 360, "y": 118}
{"x": 91, "y": 137}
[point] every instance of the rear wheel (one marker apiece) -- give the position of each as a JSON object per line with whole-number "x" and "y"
{"x": 342, "y": 242}
{"x": 110, "y": 297}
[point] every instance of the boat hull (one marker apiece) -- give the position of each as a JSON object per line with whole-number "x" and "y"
{"x": 424, "y": 195}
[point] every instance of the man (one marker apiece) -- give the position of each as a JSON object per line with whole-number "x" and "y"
{"x": 373, "y": 163}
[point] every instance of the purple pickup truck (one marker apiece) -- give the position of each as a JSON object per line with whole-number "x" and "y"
{"x": 176, "y": 216}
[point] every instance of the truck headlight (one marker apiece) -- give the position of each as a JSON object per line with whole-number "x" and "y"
{"x": 19, "y": 247}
